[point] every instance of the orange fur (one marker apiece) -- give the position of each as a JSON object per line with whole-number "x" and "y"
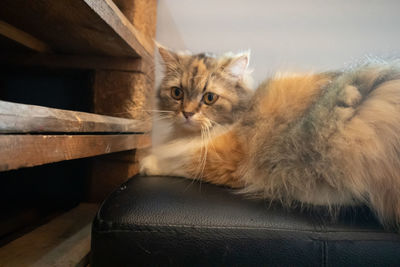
{"x": 288, "y": 97}
{"x": 225, "y": 154}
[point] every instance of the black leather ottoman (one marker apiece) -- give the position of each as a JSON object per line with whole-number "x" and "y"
{"x": 167, "y": 221}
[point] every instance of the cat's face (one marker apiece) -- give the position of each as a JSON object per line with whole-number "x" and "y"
{"x": 201, "y": 91}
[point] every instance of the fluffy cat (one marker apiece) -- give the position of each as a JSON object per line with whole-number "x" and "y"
{"x": 330, "y": 139}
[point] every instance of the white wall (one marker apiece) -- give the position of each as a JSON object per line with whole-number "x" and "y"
{"x": 283, "y": 34}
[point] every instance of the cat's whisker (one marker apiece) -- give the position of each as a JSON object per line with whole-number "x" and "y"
{"x": 154, "y": 119}
{"x": 210, "y": 140}
{"x": 198, "y": 173}
{"x": 205, "y": 144}
{"x": 160, "y": 111}
{"x": 202, "y": 156}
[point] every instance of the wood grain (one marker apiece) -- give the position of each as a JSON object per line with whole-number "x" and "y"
{"x": 81, "y": 27}
{"x": 123, "y": 94}
{"x": 141, "y": 13}
{"x": 21, "y": 118}
{"x": 64, "y": 241}
{"x": 18, "y": 151}
{"x": 114, "y": 18}
{"x": 23, "y": 38}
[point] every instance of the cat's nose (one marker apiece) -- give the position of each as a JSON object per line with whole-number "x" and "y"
{"x": 187, "y": 115}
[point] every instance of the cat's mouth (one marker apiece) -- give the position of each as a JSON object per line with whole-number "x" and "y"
{"x": 190, "y": 125}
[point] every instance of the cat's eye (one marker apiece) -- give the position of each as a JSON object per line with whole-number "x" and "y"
{"x": 210, "y": 98}
{"x": 176, "y": 93}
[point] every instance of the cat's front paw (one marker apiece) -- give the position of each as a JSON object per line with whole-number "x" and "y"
{"x": 150, "y": 166}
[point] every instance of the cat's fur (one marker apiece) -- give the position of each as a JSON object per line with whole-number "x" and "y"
{"x": 329, "y": 139}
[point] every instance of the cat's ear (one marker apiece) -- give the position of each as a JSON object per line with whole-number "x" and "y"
{"x": 237, "y": 66}
{"x": 168, "y": 57}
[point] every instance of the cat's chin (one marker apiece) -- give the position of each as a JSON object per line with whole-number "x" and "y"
{"x": 189, "y": 127}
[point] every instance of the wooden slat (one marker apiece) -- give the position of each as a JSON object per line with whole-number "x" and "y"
{"x": 88, "y": 27}
{"x": 21, "y": 118}
{"x": 23, "y": 38}
{"x": 78, "y": 62}
{"x": 126, "y": 94}
{"x": 19, "y": 151}
{"x": 65, "y": 241}
{"x": 113, "y": 16}
{"x": 141, "y": 13}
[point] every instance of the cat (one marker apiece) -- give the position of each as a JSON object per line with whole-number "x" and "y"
{"x": 321, "y": 139}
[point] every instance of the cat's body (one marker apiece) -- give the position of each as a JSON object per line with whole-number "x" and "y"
{"x": 329, "y": 139}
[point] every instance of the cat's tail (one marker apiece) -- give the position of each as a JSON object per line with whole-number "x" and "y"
{"x": 367, "y": 143}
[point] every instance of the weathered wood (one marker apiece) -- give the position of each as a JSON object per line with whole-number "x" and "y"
{"x": 64, "y": 241}
{"x": 21, "y": 118}
{"x": 113, "y": 16}
{"x": 123, "y": 94}
{"x": 88, "y": 27}
{"x": 78, "y": 62}
{"x": 141, "y": 13}
{"x": 18, "y": 151}
{"x": 23, "y": 38}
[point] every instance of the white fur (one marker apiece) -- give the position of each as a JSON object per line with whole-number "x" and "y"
{"x": 170, "y": 158}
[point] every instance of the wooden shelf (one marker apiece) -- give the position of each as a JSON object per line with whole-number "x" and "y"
{"x": 111, "y": 42}
{"x": 64, "y": 241}
{"x": 33, "y": 135}
{"x": 80, "y": 27}
{"x": 18, "y": 151}
{"x": 21, "y": 118}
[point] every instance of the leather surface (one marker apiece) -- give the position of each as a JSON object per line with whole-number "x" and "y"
{"x": 151, "y": 221}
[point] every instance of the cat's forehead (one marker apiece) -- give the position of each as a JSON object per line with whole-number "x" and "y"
{"x": 197, "y": 70}
{"x": 206, "y": 61}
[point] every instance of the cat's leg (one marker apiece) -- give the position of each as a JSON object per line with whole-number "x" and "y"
{"x": 171, "y": 159}
{"x": 223, "y": 163}
{"x": 325, "y": 195}
{"x": 218, "y": 161}
{"x": 150, "y": 165}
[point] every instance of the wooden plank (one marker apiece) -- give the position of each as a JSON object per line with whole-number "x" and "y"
{"x": 23, "y": 38}
{"x": 78, "y": 62}
{"x": 21, "y": 118}
{"x": 113, "y": 16}
{"x": 64, "y": 241}
{"x": 141, "y": 13}
{"x": 84, "y": 27}
{"x": 18, "y": 151}
{"x": 123, "y": 94}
